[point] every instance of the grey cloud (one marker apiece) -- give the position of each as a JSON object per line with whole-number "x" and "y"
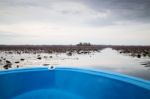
{"x": 24, "y": 2}
{"x": 133, "y": 10}
{"x": 121, "y": 10}
{"x": 23, "y": 14}
{"x": 5, "y": 34}
{"x": 100, "y": 22}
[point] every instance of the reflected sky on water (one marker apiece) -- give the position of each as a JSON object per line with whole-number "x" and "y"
{"x": 106, "y": 59}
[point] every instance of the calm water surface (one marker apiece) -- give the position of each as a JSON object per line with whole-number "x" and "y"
{"x": 106, "y": 59}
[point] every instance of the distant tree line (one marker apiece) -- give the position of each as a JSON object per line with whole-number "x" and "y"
{"x": 84, "y": 44}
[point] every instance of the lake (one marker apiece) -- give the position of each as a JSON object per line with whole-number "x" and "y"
{"x": 106, "y": 59}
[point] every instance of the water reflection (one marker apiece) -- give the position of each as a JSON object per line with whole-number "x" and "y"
{"x": 107, "y": 59}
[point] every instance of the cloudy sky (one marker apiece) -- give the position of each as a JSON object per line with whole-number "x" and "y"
{"x": 117, "y": 22}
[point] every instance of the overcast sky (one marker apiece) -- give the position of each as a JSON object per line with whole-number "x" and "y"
{"x": 117, "y": 22}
